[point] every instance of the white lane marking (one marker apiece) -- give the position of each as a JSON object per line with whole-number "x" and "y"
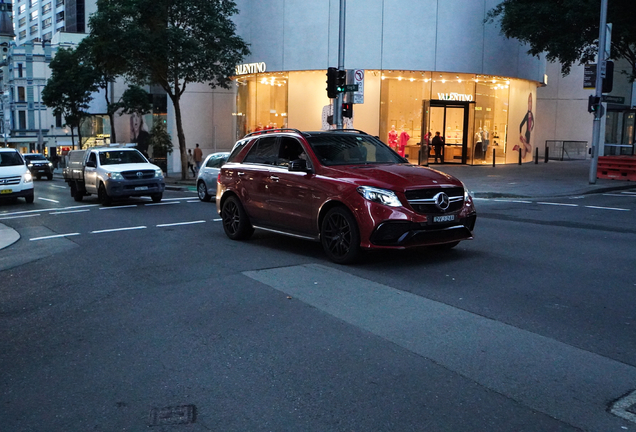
{"x": 181, "y": 223}
{"x": 607, "y": 208}
{"x": 54, "y": 236}
{"x": 49, "y": 209}
{"x": 162, "y": 203}
{"x": 622, "y": 195}
{"x": 118, "y": 207}
{"x": 558, "y": 204}
{"x": 59, "y": 187}
{"x": 621, "y": 407}
{"x": 18, "y": 217}
{"x": 514, "y": 201}
{"x": 217, "y": 220}
{"x": 69, "y": 211}
{"x": 49, "y": 200}
{"x": 193, "y": 201}
{"x": 118, "y": 229}
{"x": 481, "y": 199}
{"x": 176, "y": 199}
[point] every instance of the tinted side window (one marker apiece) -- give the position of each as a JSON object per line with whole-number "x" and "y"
{"x": 264, "y": 151}
{"x": 240, "y": 145}
{"x": 290, "y": 150}
{"x": 215, "y": 162}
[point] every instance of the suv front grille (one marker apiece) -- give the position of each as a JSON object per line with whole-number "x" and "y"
{"x": 423, "y": 200}
{"x": 9, "y": 180}
{"x": 132, "y": 175}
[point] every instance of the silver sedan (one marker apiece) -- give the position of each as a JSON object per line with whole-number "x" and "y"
{"x": 206, "y": 178}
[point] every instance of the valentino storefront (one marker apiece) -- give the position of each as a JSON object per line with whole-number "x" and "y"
{"x": 480, "y": 117}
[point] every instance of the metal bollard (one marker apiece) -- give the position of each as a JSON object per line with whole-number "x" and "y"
{"x": 536, "y": 155}
{"x": 519, "y": 155}
{"x": 547, "y": 151}
{"x": 493, "y": 157}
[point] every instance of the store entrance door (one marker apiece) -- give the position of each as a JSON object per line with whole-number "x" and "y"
{"x": 452, "y": 120}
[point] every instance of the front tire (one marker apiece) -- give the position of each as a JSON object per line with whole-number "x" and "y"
{"x": 29, "y": 198}
{"x": 236, "y": 223}
{"x": 102, "y": 195}
{"x": 339, "y": 236}
{"x": 202, "y": 191}
{"x": 49, "y": 177}
{"x": 156, "y": 198}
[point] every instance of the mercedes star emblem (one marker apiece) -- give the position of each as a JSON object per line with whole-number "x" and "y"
{"x": 441, "y": 201}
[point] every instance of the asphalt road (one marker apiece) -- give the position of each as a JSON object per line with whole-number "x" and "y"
{"x": 139, "y": 315}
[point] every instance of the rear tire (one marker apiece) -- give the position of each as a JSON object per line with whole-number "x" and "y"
{"x": 202, "y": 192}
{"x": 236, "y": 223}
{"x": 339, "y": 236}
{"x": 77, "y": 195}
{"x": 102, "y": 195}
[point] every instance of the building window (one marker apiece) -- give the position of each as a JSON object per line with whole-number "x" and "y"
{"x": 21, "y": 94}
{"x": 33, "y": 29}
{"x": 22, "y": 34}
{"x": 22, "y": 22}
{"x": 47, "y": 36}
{"x": 59, "y": 17}
{"x": 47, "y": 23}
{"x": 22, "y": 9}
{"x": 34, "y": 15}
{"x": 33, "y": 3}
{"x": 20, "y": 70}
{"x": 59, "y": 3}
{"x": 46, "y": 8}
{"x": 58, "y": 120}
{"x": 21, "y": 119}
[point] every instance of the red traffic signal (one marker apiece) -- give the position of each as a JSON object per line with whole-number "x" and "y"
{"x": 347, "y": 110}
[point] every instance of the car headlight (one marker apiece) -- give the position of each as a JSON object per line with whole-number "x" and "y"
{"x": 27, "y": 177}
{"x": 115, "y": 176}
{"x": 30, "y": 165}
{"x": 158, "y": 173}
{"x": 50, "y": 164}
{"x": 381, "y": 196}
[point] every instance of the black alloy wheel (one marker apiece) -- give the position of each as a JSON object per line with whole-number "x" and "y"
{"x": 202, "y": 191}
{"x": 339, "y": 236}
{"x": 236, "y": 223}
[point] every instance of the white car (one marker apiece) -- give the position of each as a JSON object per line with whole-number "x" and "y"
{"x": 206, "y": 179}
{"x": 15, "y": 178}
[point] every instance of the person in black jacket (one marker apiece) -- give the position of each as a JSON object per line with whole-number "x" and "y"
{"x": 438, "y": 145}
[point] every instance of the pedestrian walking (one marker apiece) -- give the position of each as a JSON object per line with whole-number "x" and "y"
{"x": 438, "y": 145}
{"x": 198, "y": 156}
{"x": 191, "y": 163}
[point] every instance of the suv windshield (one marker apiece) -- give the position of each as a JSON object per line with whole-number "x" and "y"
{"x": 350, "y": 149}
{"x": 115, "y": 157}
{"x": 35, "y": 157}
{"x": 10, "y": 158}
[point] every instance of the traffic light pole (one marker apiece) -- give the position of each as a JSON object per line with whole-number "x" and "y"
{"x": 600, "y": 73}
{"x": 337, "y": 102}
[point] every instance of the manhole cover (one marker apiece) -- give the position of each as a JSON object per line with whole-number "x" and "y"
{"x": 625, "y": 407}
{"x": 175, "y": 415}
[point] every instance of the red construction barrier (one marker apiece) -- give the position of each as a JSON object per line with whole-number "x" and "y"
{"x": 616, "y": 168}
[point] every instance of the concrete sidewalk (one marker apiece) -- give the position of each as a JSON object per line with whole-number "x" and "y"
{"x": 552, "y": 179}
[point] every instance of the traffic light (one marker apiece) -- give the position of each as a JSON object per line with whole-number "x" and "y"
{"x": 347, "y": 110}
{"x": 332, "y": 87}
{"x": 341, "y": 80}
{"x": 593, "y": 104}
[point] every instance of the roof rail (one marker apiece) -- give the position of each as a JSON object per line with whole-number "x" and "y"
{"x": 347, "y": 130}
{"x": 264, "y": 131}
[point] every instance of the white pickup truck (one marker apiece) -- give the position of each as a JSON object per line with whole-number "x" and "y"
{"x": 111, "y": 173}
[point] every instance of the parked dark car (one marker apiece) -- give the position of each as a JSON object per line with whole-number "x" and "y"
{"x": 39, "y": 165}
{"x": 344, "y": 188}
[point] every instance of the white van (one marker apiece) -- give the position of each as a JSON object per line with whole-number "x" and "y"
{"x": 15, "y": 178}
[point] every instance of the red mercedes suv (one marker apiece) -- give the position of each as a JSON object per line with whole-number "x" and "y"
{"x": 344, "y": 188}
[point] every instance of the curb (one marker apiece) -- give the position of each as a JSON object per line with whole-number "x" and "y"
{"x": 8, "y": 236}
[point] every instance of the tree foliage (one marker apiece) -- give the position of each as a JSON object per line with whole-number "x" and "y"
{"x": 568, "y": 30}
{"x": 134, "y": 100}
{"x": 68, "y": 90}
{"x": 171, "y": 43}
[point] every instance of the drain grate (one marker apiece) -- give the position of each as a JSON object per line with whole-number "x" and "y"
{"x": 625, "y": 407}
{"x": 175, "y": 415}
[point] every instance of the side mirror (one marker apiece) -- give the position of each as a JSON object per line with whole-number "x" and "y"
{"x": 299, "y": 165}
{"x": 91, "y": 164}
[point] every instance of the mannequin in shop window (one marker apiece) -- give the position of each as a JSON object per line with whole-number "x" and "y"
{"x": 404, "y": 139}
{"x": 479, "y": 144}
{"x": 486, "y": 136}
{"x": 393, "y": 138}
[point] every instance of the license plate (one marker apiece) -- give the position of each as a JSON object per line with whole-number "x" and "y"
{"x": 6, "y": 191}
{"x": 447, "y": 218}
{"x": 141, "y": 188}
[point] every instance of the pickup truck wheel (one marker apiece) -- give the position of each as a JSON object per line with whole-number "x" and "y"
{"x": 77, "y": 195}
{"x": 49, "y": 177}
{"x": 236, "y": 223}
{"x": 102, "y": 195}
{"x": 156, "y": 197}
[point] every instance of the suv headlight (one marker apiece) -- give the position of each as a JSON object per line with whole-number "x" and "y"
{"x": 381, "y": 196}
{"x": 27, "y": 177}
{"x": 115, "y": 176}
{"x": 158, "y": 173}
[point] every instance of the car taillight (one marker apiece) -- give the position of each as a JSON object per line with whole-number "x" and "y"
{"x": 218, "y": 178}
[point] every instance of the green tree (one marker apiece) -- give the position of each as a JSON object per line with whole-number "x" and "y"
{"x": 171, "y": 43}
{"x": 567, "y": 31}
{"x": 134, "y": 100}
{"x": 160, "y": 143}
{"x": 68, "y": 91}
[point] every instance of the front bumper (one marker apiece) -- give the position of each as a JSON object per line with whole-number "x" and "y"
{"x": 15, "y": 193}
{"x": 41, "y": 170}
{"x": 409, "y": 234}
{"x": 142, "y": 187}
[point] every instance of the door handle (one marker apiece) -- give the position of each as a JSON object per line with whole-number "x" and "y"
{"x": 240, "y": 174}
{"x": 275, "y": 178}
